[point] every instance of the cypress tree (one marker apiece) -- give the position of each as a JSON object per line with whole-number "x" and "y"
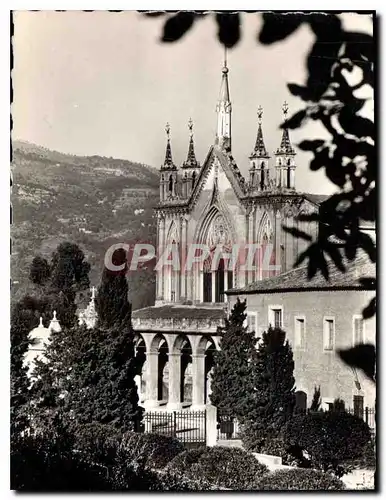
{"x": 274, "y": 389}
{"x": 316, "y": 400}
{"x": 112, "y": 303}
{"x": 232, "y": 385}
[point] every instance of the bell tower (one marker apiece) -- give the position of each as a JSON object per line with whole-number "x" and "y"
{"x": 285, "y": 158}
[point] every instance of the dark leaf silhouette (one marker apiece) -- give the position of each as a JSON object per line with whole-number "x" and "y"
{"x": 311, "y": 145}
{"x": 320, "y": 159}
{"x": 296, "y": 120}
{"x": 369, "y": 283}
{"x": 297, "y": 233}
{"x": 228, "y": 28}
{"x": 277, "y": 27}
{"x": 360, "y": 356}
{"x": 176, "y": 26}
{"x": 370, "y": 310}
{"x": 299, "y": 91}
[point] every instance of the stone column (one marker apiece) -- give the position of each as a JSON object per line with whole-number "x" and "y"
{"x": 211, "y": 425}
{"x": 198, "y": 376}
{"x": 213, "y": 286}
{"x": 225, "y": 285}
{"x": 151, "y": 400}
{"x": 174, "y": 402}
{"x": 182, "y": 258}
{"x": 161, "y": 244}
{"x": 250, "y": 240}
{"x": 277, "y": 241}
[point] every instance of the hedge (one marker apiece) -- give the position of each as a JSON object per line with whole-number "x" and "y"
{"x": 224, "y": 467}
{"x": 330, "y": 438}
{"x": 299, "y": 479}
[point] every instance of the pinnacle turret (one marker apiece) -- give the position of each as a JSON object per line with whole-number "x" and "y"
{"x": 191, "y": 161}
{"x": 168, "y": 162}
{"x": 259, "y": 150}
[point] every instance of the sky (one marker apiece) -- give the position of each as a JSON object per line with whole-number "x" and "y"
{"x": 102, "y": 83}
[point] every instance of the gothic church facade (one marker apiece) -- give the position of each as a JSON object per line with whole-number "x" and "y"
{"x": 213, "y": 206}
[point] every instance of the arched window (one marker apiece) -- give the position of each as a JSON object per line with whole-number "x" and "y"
{"x": 288, "y": 177}
{"x": 262, "y": 165}
{"x": 193, "y": 178}
{"x": 170, "y": 183}
{"x": 262, "y": 178}
{"x": 289, "y": 161}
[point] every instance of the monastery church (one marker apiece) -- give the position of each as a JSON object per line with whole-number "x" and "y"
{"x": 212, "y": 204}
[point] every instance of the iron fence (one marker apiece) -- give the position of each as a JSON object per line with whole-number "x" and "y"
{"x": 227, "y": 425}
{"x": 187, "y": 426}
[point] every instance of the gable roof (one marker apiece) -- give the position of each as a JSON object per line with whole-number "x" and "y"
{"x": 297, "y": 280}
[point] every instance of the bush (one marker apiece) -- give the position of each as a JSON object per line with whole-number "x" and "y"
{"x": 329, "y": 438}
{"x": 151, "y": 450}
{"x": 48, "y": 463}
{"x": 97, "y": 442}
{"x": 173, "y": 481}
{"x": 299, "y": 479}
{"x": 231, "y": 468}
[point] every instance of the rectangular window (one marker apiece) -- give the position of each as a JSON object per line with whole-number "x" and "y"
{"x": 329, "y": 333}
{"x": 358, "y": 406}
{"x": 300, "y": 330}
{"x": 275, "y": 316}
{"x": 358, "y": 330}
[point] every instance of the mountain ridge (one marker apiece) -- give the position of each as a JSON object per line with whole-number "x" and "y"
{"x": 93, "y": 201}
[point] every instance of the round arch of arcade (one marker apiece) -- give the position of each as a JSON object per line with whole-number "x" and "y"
{"x": 174, "y": 370}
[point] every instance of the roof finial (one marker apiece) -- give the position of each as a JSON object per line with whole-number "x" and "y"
{"x": 260, "y": 114}
{"x": 225, "y": 67}
{"x": 93, "y": 290}
{"x": 190, "y": 127}
{"x": 40, "y": 322}
{"x": 54, "y": 316}
{"x": 285, "y": 109}
{"x": 167, "y": 130}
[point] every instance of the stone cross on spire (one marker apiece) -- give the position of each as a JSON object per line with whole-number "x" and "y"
{"x": 93, "y": 290}
{"x": 285, "y": 109}
{"x": 285, "y": 145}
{"x": 260, "y": 114}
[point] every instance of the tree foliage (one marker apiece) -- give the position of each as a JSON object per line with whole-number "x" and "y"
{"x": 232, "y": 387}
{"x": 39, "y": 271}
{"x": 339, "y": 83}
{"x": 112, "y": 304}
{"x": 329, "y": 438}
{"x": 316, "y": 400}
{"x": 274, "y": 390}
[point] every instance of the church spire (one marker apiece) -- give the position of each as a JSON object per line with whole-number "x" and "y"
{"x": 191, "y": 160}
{"x": 224, "y": 110}
{"x": 259, "y": 149}
{"x": 285, "y": 145}
{"x": 168, "y": 163}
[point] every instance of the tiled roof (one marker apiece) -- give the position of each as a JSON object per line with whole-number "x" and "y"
{"x": 296, "y": 279}
{"x": 316, "y": 198}
{"x": 177, "y": 311}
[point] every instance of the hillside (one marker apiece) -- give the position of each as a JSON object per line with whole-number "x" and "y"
{"x": 89, "y": 200}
